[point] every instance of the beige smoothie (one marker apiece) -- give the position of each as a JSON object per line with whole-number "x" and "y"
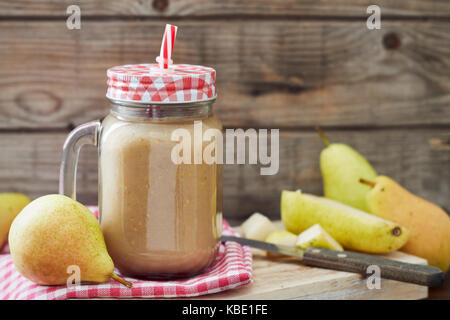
{"x": 157, "y": 217}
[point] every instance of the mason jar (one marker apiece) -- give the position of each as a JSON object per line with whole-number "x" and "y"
{"x": 160, "y": 209}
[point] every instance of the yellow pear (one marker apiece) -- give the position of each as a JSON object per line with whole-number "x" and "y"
{"x": 429, "y": 224}
{"x": 10, "y": 206}
{"x": 352, "y": 228}
{"x": 52, "y": 236}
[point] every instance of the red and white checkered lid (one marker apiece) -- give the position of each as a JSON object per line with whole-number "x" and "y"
{"x": 148, "y": 83}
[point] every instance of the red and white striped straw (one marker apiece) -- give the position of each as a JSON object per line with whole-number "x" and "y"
{"x": 168, "y": 41}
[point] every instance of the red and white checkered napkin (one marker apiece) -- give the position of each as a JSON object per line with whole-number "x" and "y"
{"x": 232, "y": 268}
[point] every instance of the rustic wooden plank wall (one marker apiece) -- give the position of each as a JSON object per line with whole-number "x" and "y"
{"x": 291, "y": 64}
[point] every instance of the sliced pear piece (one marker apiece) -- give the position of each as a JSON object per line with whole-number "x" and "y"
{"x": 316, "y": 236}
{"x": 257, "y": 227}
{"x": 352, "y": 228}
{"x": 282, "y": 237}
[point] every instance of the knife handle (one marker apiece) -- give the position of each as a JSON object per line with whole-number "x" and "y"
{"x": 389, "y": 269}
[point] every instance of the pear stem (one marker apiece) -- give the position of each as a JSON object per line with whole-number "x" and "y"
{"x": 368, "y": 182}
{"x": 323, "y": 136}
{"x": 121, "y": 280}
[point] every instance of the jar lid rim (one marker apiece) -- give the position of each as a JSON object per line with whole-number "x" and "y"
{"x": 146, "y": 103}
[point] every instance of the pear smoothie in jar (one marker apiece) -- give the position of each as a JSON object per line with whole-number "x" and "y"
{"x": 160, "y": 218}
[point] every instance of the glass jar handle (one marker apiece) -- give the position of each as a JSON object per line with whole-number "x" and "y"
{"x": 84, "y": 134}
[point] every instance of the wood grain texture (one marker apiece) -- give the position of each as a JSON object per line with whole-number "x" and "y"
{"x": 286, "y": 74}
{"x": 286, "y": 278}
{"x": 30, "y": 164}
{"x": 211, "y": 8}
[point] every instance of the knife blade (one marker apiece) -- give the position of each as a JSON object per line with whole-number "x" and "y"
{"x": 353, "y": 262}
{"x": 277, "y": 248}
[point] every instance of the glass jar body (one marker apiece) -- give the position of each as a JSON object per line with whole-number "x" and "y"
{"x": 159, "y": 219}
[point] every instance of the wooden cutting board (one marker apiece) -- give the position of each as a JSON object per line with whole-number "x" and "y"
{"x": 287, "y": 278}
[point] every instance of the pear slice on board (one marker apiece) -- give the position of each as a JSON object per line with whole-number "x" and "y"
{"x": 282, "y": 237}
{"x": 316, "y": 236}
{"x": 257, "y": 227}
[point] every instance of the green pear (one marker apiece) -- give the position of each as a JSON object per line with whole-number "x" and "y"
{"x": 352, "y": 228}
{"x": 53, "y": 233}
{"x": 10, "y": 206}
{"x": 428, "y": 223}
{"x": 316, "y": 236}
{"x": 342, "y": 167}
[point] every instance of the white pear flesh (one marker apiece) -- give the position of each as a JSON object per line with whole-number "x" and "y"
{"x": 257, "y": 227}
{"x": 316, "y": 236}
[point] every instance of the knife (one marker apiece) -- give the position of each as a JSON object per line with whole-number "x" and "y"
{"x": 353, "y": 262}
